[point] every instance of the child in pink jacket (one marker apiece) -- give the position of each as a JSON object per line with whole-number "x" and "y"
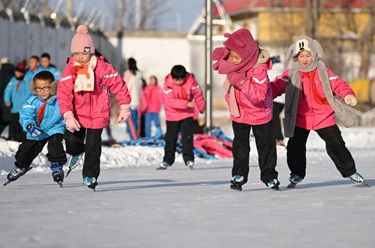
{"x": 154, "y": 95}
{"x": 312, "y": 93}
{"x": 181, "y": 94}
{"x": 249, "y": 97}
{"x": 84, "y": 99}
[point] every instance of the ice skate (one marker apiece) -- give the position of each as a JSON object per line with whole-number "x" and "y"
{"x": 357, "y": 178}
{"x": 163, "y": 166}
{"x": 294, "y": 180}
{"x": 15, "y": 174}
{"x": 190, "y": 164}
{"x": 237, "y": 182}
{"x": 73, "y": 163}
{"x": 57, "y": 173}
{"x": 90, "y": 182}
{"x": 274, "y": 184}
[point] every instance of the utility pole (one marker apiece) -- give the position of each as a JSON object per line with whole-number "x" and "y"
{"x": 208, "y": 47}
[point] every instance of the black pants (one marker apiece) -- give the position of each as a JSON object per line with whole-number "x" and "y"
{"x": 277, "y": 131}
{"x": 266, "y": 146}
{"x": 173, "y": 127}
{"x": 16, "y": 132}
{"x": 75, "y": 145}
{"x": 335, "y": 146}
{"x": 30, "y": 149}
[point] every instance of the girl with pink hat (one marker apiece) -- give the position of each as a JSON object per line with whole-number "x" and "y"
{"x": 84, "y": 99}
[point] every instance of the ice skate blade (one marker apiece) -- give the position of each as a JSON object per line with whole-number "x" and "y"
{"x": 236, "y": 187}
{"x": 6, "y": 183}
{"x": 291, "y": 186}
{"x": 67, "y": 174}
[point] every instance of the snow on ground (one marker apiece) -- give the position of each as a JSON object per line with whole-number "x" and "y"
{"x": 138, "y": 206}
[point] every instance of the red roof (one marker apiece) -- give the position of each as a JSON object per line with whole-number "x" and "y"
{"x": 232, "y": 6}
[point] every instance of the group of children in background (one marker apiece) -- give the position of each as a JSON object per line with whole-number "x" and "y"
{"x": 77, "y": 109}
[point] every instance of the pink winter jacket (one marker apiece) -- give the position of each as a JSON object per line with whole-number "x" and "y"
{"x": 177, "y": 109}
{"x": 254, "y": 98}
{"x": 154, "y": 96}
{"x": 92, "y": 108}
{"x": 312, "y": 115}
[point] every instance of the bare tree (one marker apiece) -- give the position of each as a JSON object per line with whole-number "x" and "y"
{"x": 137, "y": 14}
{"x": 366, "y": 44}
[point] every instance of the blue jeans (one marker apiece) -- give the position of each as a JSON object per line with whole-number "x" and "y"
{"x": 132, "y": 125}
{"x": 149, "y": 118}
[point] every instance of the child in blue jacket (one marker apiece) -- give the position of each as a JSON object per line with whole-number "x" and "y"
{"x": 40, "y": 117}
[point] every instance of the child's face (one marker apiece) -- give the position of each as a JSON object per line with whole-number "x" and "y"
{"x": 43, "y": 88}
{"x": 45, "y": 62}
{"x": 179, "y": 81}
{"x": 152, "y": 81}
{"x": 304, "y": 58}
{"x": 82, "y": 58}
{"x": 234, "y": 58}
{"x": 33, "y": 64}
{"x": 19, "y": 74}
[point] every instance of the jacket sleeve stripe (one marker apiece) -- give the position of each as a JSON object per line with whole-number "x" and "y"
{"x": 66, "y": 78}
{"x": 111, "y": 75}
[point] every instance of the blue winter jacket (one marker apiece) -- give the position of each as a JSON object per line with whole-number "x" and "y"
{"x": 52, "y": 122}
{"x": 16, "y": 97}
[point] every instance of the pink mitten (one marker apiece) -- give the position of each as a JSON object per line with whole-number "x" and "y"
{"x": 71, "y": 123}
{"x": 124, "y": 113}
{"x": 236, "y": 79}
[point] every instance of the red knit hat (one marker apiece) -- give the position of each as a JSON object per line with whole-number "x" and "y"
{"x": 21, "y": 67}
{"x": 242, "y": 42}
{"x": 82, "y": 41}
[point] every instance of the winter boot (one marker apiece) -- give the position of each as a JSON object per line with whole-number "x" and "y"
{"x": 57, "y": 173}
{"x": 357, "y": 178}
{"x": 274, "y": 184}
{"x": 90, "y": 182}
{"x": 294, "y": 179}
{"x": 237, "y": 182}
{"x": 163, "y": 166}
{"x": 16, "y": 173}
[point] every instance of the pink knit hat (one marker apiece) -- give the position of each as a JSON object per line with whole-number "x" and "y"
{"x": 82, "y": 41}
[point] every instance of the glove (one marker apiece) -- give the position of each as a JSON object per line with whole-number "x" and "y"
{"x": 124, "y": 113}
{"x": 236, "y": 79}
{"x": 71, "y": 123}
{"x": 34, "y": 130}
{"x": 351, "y": 100}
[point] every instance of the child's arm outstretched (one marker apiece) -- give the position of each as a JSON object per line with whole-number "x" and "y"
{"x": 342, "y": 89}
